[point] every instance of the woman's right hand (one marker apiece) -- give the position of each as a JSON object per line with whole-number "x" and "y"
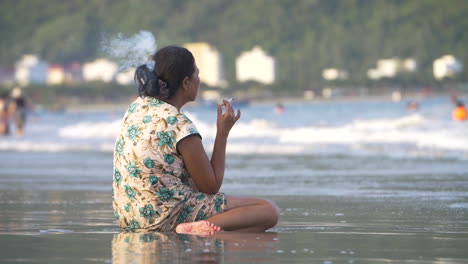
{"x": 227, "y": 119}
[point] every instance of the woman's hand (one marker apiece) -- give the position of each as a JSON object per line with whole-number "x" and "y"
{"x": 227, "y": 119}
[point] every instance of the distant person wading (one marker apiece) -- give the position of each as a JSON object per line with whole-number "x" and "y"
{"x": 163, "y": 178}
{"x": 4, "y": 115}
{"x": 18, "y": 109}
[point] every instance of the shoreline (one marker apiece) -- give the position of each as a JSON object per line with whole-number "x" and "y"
{"x": 122, "y": 105}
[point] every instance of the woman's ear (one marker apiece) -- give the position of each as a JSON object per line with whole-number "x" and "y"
{"x": 185, "y": 83}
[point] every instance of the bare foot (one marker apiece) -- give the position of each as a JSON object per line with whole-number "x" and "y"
{"x": 198, "y": 228}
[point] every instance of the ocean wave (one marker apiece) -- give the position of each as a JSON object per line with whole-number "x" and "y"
{"x": 411, "y": 135}
{"x": 91, "y": 130}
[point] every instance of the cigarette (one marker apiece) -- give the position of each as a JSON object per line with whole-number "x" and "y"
{"x": 228, "y": 100}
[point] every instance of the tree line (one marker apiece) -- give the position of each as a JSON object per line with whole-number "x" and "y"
{"x": 305, "y": 36}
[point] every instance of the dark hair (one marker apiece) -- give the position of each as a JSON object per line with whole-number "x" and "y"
{"x": 171, "y": 65}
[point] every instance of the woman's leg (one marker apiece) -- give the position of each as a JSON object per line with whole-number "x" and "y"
{"x": 247, "y": 215}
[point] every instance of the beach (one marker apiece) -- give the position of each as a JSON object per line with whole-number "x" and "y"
{"x": 357, "y": 182}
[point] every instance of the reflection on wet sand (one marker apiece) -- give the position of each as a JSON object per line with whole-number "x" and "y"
{"x": 179, "y": 248}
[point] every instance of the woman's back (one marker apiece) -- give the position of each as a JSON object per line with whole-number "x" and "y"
{"x": 150, "y": 179}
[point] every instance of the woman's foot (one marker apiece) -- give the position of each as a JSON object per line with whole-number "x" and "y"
{"x": 203, "y": 228}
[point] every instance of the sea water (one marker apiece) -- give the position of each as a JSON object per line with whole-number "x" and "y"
{"x": 363, "y": 181}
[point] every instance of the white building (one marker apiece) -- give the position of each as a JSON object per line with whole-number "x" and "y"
{"x": 446, "y": 66}
{"x": 100, "y": 70}
{"x": 55, "y": 75}
{"x": 410, "y": 65}
{"x": 256, "y": 65}
{"x": 31, "y": 70}
{"x": 209, "y": 63}
{"x": 390, "y": 68}
{"x": 332, "y": 74}
{"x": 126, "y": 77}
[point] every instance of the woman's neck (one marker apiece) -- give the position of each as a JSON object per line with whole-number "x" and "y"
{"x": 176, "y": 101}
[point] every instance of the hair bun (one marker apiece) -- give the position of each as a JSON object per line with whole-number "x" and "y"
{"x": 163, "y": 89}
{"x": 145, "y": 79}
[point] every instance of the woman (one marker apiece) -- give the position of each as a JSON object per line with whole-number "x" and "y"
{"x": 163, "y": 178}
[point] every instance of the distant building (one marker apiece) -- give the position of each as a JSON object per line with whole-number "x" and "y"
{"x": 256, "y": 65}
{"x": 410, "y": 65}
{"x": 390, "y": 68}
{"x": 55, "y": 75}
{"x": 332, "y": 74}
{"x": 126, "y": 77}
{"x": 209, "y": 62}
{"x": 31, "y": 70}
{"x": 446, "y": 66}
{"x": 100, "y": 70}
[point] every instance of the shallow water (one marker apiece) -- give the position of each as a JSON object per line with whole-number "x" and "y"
{"x": 56, "y": 208}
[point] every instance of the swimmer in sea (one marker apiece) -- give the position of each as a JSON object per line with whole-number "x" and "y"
{"x": 459, "y": 113}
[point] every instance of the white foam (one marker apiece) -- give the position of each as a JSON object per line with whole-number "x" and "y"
{"x": 459, "y": 205}
{"x": 91, "y": 130}
{"x": 412, "y": 136}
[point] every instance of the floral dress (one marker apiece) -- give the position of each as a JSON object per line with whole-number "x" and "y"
{"x": 152, "y": 189}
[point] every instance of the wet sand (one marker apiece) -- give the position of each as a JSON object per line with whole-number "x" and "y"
{"x": 78, "y": 227}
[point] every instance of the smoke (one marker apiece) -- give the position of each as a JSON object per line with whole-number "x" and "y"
{"x": 130, "y": 51}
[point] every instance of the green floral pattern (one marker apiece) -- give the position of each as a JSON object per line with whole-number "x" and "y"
{"x": 165, "y": 194}
{"x": 133, "y": 170}
{"x": 184, "y": 214}
{"x": 218, "y": 203}
{"x": 147, "y": 119}
{"x": 183, "y": 178}
{"x": 150, "y": 181}
{"x": 201, "y": 196}
{"x": 130, "y": 192}
{"x": 169, "y": 159}
{"x": 133, "y": 108}
{"x": 155, "y": 102}
{"x": 153, "y": 179}
{"x": 133, "y": 225}
{"x": 201, "y": 216}
{"x": 149, "y": 163}
{"x": 117, "y": 176}
{"x": 165, "y": 138}
{"x": 147, "y": 211}
{"x": 119, "y": 147}
{"x": 172, "y": 120}
{"x": 133, "y": 132}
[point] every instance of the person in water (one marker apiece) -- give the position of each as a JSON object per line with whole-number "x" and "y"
{"x": 163, "y": 178}
{"x": 459, "y": 113}
{"x": 279, "y": 108}
{"x": 412, "y": 106}
{"x": 4, "y": 115}
{"x": 18, "y": 110}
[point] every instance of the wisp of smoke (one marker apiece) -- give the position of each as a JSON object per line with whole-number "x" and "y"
{"x": 130, "y": 51}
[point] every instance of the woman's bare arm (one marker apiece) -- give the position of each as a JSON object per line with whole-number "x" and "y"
{"x": 208, "y": 174}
